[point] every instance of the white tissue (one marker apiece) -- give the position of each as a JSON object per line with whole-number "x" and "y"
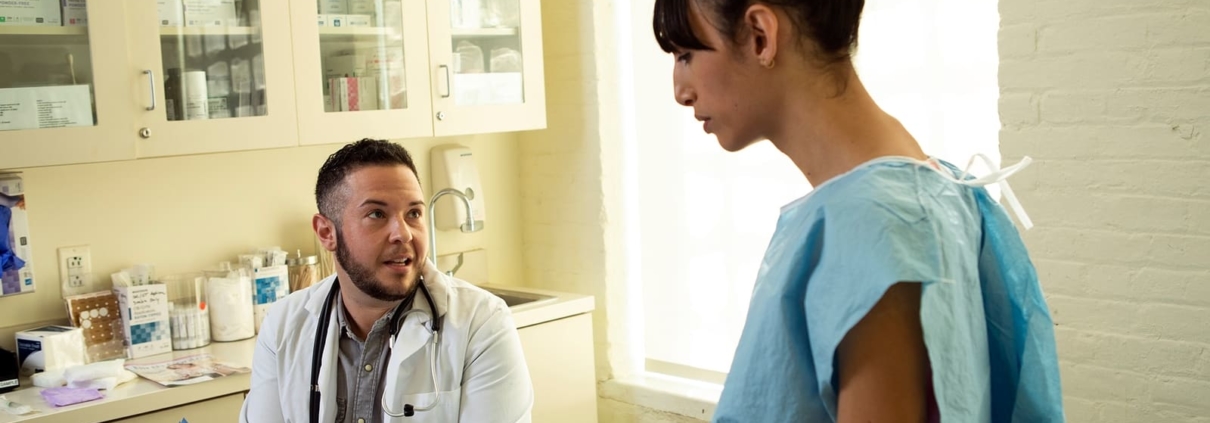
{"x": 48, "y": 379}
{"x": 105, "y": 383}
{"x": 94, "y": 371}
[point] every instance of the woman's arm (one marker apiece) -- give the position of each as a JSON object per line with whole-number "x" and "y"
{"x": 882, "y": 362}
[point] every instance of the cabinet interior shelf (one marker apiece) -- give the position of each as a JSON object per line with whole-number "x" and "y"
{"x": 43, "y": 30}
{"x": 172, "y": 31}
{"x": 483, "y": 32}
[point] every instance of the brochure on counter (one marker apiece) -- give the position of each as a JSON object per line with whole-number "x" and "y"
{"x": 186, "y": 370}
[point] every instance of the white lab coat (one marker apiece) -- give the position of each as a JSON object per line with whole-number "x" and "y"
{"x": 480, "y": 366}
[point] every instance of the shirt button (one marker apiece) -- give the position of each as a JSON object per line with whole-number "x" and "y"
{"x": 369, "y": 367}
{"x": 361, "y": 420}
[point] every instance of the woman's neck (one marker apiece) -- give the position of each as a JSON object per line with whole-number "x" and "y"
{"x": 828, "y": 135}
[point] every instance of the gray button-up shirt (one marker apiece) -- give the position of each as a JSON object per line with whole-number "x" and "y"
{"x": 362, "y": 369}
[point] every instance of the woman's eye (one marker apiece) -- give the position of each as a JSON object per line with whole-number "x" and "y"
{"x": 684, "y": 57}
{"x": 414, "y": 214}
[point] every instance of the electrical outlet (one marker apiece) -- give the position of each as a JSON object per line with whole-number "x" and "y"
{"x": 75, "y": 270}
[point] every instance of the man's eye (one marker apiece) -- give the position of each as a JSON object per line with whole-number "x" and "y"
{"x": 377, "y": 214}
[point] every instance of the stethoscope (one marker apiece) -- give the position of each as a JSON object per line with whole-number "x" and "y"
{"x": 321, "y": 336}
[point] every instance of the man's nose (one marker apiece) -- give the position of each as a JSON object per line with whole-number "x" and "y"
{"x": 400, "y": 231}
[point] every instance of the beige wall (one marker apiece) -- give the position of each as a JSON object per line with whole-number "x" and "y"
{"x": 185, "y": 213}
{"x": 1111, "y": 99}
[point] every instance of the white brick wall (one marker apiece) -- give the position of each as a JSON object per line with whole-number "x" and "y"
{"x": 1112, "y": 98}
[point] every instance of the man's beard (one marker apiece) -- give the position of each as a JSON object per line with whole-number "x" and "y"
{"x": 363, "y": 277}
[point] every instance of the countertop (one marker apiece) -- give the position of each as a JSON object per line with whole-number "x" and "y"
{"x": 143, "y": 396}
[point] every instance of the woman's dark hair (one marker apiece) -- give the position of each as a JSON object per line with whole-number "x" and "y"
{"x": 830, "y": 24}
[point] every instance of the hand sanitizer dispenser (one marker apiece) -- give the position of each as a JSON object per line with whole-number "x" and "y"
{"x": 454, "y": 167}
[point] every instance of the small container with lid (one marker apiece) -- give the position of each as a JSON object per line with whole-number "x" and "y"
{"x": 304, "y": 271}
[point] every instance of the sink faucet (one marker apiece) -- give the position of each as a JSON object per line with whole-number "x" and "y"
{"x": 468, "y": 226}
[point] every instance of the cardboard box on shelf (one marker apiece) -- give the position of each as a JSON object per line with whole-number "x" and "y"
{"x": 31, "y": 13}
{"x": 337, "y": 7}
{"x": 145, "y": 319}
{"x": 75, "y": 13}
{"x": 171, "y": 12}
{"x": 210, "y": 13}
{"x": 359, "y": 21}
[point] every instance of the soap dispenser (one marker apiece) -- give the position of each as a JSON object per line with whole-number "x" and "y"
{"x": 453, "y": 166}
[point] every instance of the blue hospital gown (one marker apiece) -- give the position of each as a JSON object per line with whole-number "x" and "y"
{"x": 986, "y": 325}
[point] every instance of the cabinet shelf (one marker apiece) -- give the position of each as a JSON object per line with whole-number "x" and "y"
{"x": 43, "y": 30}
{"x": 483, "y": 32}
{"x": 361, "y": 31}
{"x": 172, "y": 31}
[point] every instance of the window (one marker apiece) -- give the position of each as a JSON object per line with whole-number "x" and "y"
{"x": 705, "y": 216}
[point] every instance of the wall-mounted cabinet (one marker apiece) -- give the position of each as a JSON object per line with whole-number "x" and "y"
{"x": 174, "y": 77}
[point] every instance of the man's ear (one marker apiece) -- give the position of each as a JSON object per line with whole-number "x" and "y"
{"x": 763, "y": 29}
{"x": 325, "y": 229}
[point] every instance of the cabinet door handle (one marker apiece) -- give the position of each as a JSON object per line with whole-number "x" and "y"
{"x": 151, "y": 83}
{"x": 446, "y": 70}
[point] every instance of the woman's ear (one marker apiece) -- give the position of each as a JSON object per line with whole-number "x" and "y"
{"x": 325, "y": 229}
{"x": 763, "y": 30}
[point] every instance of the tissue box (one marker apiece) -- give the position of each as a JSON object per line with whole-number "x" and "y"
{"x": 144, "y": 310}
{"x": 30, "y": 13}
{"x": 75, "y": 13}
{"x": 50, "y": 348}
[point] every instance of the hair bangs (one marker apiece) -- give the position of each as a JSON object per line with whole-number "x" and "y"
{"x": 673, "y": 26}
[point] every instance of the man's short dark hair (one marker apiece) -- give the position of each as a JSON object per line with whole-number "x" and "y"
{"x": 363, "y": 153}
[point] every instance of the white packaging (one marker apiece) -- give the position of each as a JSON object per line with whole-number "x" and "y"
{"x": 196, "y": 96}
{"x": 270, "y": 284}
{"x": 354, "y": 21}
{"x": 230, "y": 303}
{"x": 145, "y": 319}
{"x": 327, "y": 7}
{"x": 45, "y": 107}
{"x": 31, "y": 13}
{"x": 19, "y": 278}
{"x": 75, "y": 13}
{"x": 364, "y": 7}
{"x": 171, "y": 12}
{"x": 50, "y": 348}
{"x": 210, "y": 13}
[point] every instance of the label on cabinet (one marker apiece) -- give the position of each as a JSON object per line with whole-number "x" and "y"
{"x": 30, "y": 12}
{"x": 45, "y": 107}
{"x": 329, "y": 7}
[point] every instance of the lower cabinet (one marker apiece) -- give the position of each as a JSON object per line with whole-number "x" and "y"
{"x": 559, "y": 355}
{"x": 221, "y": 409}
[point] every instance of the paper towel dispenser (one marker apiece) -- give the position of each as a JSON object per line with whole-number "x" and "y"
{"x": 453, "y": 166}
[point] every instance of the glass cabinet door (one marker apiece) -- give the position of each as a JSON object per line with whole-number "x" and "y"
{"x": 488, "y": 55}
{"x": 222, "y": 72}
{"x": 361, "y": 70}
{"x": 54, "y": 67}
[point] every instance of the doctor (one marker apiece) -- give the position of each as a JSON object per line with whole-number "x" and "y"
{"x": 455, "y": 355}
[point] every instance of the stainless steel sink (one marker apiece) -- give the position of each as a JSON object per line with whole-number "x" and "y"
{"x": 516, "y": 299}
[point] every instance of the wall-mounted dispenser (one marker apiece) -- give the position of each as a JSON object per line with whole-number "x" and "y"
{"x": 453, "y": 166}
